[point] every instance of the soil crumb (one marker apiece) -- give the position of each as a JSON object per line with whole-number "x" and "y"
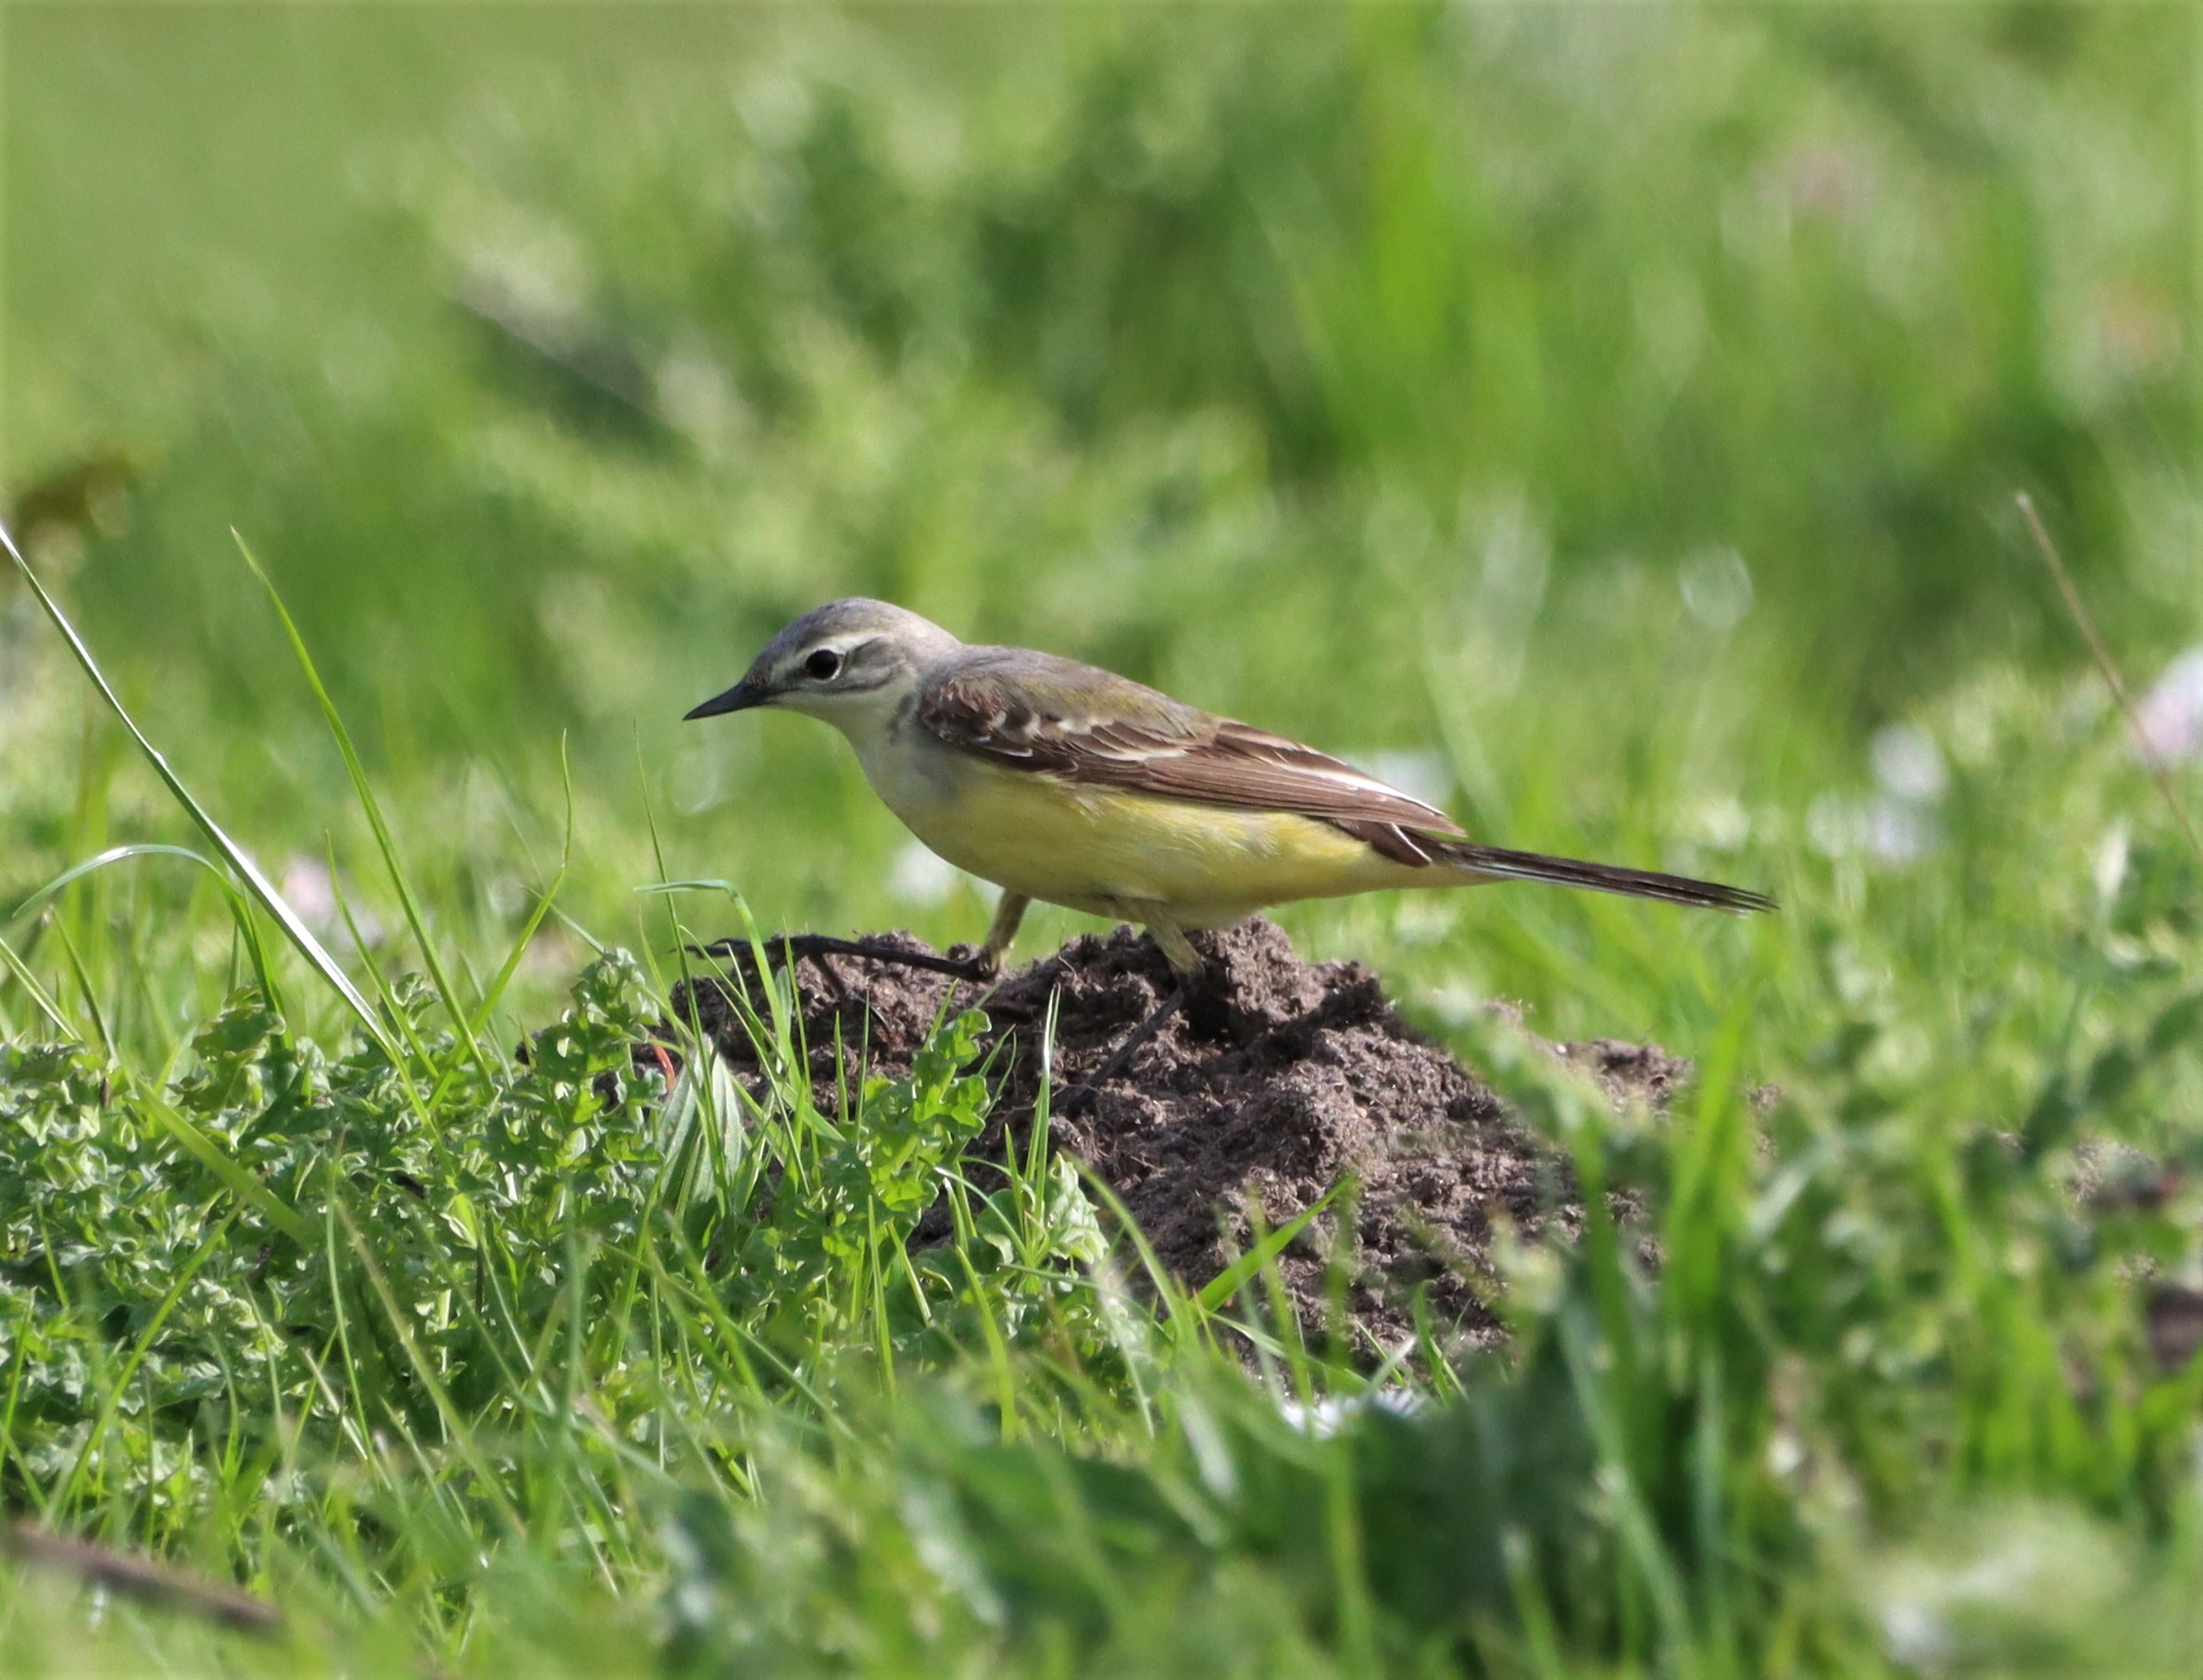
{"x": 1278, "y": 1079}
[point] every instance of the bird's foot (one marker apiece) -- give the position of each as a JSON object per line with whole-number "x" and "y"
{"x": 786, "y": 950}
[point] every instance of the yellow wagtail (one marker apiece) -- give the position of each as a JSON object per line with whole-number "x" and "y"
{"x": 1068, "y": 784}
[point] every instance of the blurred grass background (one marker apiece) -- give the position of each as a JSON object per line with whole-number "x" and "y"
{"x": 1606, "y": 420}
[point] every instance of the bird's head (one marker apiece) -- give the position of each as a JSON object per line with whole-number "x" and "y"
{"x": 850, "y": 662}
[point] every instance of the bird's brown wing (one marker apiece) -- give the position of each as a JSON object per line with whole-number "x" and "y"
{"x": 1081, "y": 724}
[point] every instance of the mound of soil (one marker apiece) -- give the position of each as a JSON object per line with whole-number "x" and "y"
{"x": 1277, "y": 1079}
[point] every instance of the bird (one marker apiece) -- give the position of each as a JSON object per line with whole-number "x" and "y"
{"x": 1068, "y": 784}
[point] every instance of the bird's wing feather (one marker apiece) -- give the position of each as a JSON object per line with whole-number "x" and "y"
{"x": 1081, "y": 724}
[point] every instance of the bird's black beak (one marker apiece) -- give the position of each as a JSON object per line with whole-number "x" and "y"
{"x": 741, "y": 697}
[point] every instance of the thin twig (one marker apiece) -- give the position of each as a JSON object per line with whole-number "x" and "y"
{"x": 816, "y": 945}
{"x": 1088, "y": 1090}
{"x": 2150, "y": 756}
{"x": 131, "y": 1576}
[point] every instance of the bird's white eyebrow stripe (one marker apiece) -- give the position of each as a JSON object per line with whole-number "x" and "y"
{"x": 852, "y": 682}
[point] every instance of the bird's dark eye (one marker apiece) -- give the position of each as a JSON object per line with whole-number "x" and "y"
{"x": 822, "y": 664}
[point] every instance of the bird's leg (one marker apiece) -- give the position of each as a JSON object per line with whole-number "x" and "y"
{"x": 1177, "y": 950}
{"x": 1185, "y": 969}
{"x": 1002, "y": 929}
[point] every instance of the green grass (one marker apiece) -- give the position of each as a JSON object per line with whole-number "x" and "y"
{"x": 1623, "y": 410}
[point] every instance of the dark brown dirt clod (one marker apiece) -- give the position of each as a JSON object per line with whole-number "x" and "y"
{"x": 1278, "y": 1079}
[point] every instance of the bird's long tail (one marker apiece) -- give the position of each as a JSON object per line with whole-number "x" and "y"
{"x": 1498, "y": 862}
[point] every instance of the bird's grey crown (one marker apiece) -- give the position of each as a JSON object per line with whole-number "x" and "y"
{"x": 914, "y": 642}
{"x": 857, "y": 616}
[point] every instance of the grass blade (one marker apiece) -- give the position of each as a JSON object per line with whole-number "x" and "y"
{"x": 543, "y": 902}
{"x": 384, "y": 842}
{"x": 256, "y": 884}
{"x": 240, "y": 908}
{"x": 1232, "y": 1278}
{"x": 16, "y": 966}
{"x": 2152, "y": 759}
{"x": 239, "y": 1179}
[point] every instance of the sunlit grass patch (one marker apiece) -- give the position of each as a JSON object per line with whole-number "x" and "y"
{"x": 413, "y": 1330}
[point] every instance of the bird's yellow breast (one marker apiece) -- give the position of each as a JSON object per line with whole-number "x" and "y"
{"x": 1108, "y": 851}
